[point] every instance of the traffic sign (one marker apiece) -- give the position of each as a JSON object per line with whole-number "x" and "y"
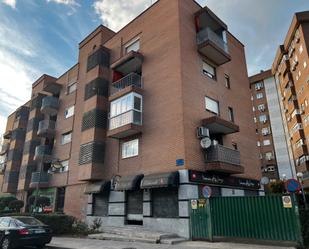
{"x": 206, "y": 191}
{"x": 293, "y": 185}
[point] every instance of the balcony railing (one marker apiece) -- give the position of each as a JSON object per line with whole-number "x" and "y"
{"x": 4, "y": 148}
{"x": 132, "y": 79}
{"x": 43, "y": 153}
{"x": 129, "y": 117}
{"x": 50, "y": 105}
{"x": 39, "y": 178}
{"x": 46, "y": 128}
{"x": 219, "y": 153}
{"x": 208, "y": 35}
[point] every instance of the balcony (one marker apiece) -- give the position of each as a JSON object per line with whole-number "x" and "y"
{"x": 52, "y": 87}
{"x": 39, "y": 179}
{"x": 222, "y": 159}
{"x": 43, "y": 153}
{"x": 131, "y": 62}
{"x": 213, "y": 46}
{"x": 50, "y": 105}
{"x": 7, "y": 134}
{"x": 46, "y": 128}
{"x": 132, "y": 80}
{"x": 219, "y": 126}
{"x": 125, "y": 124}
{"x": 2, "y": 168}
{"x": 4, "y": 149}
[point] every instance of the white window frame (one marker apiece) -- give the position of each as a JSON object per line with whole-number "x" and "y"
{"x": 129, "y": 46}
{"x": 66, "y": 138}
{"x": 130, "y": 149}
{"x": 209, "y": 70}
{"x": 208, "y": 106}
{"x": 70, "y": 86}
{"x": 259, "y": 95}
{"x": 266, "y": 142}
{"x": 69, "y": 112}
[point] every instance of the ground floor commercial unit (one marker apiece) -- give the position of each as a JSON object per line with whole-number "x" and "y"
{"x": 160, "y": 202}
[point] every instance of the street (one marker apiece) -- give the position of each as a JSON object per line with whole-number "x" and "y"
{"x": 72, "y": 243}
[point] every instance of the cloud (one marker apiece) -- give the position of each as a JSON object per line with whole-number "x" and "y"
{"x": 11, "y": 3}
{"x": 116, "y": 14}
{"x": 65, "y": 2}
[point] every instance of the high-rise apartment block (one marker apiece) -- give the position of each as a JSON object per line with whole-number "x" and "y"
{"x": 119, "y": 135}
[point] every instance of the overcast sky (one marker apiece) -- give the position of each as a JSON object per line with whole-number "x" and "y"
{"x": 42, "y": 36}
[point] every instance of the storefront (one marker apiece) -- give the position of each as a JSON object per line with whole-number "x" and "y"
{"x": 159, "y": 201}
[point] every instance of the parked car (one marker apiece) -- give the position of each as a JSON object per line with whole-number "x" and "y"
{"x": 18, "y": 231}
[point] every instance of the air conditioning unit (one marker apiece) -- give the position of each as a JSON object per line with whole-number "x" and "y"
{"x": 202, "y": 132}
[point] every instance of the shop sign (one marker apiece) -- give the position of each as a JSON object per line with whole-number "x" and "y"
{"x": 221, "y": 180}
{"x": 201, "y": 203}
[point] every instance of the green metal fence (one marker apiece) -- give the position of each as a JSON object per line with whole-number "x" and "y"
{"x": 252, "y": 217}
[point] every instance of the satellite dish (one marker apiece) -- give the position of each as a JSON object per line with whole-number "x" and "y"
{"x": 205, "y": 142}
{"x": 264, "y": 180}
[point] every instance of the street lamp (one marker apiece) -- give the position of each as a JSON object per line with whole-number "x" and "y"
{"x": 300, "y": 177}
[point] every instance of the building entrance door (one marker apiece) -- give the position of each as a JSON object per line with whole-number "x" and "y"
{"x": 135, "y": 207}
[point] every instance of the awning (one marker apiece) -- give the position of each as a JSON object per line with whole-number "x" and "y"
{"x": 128, "y": 183}
{"x": 97, "y": 187}
{"x": 162, "y": 180}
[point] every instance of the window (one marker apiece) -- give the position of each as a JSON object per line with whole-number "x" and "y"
{"x": 71, "y": 88}
{"x": 254, "y": 119}
{"x": 269, "y": 156}
{"x": 66, "y": 138}
{"x": 263, "y": 118}
{"x": 126, "y": 110}
{"x": 266, "y": 142}
{"x": 227, "y": 81}
{"x": 231, "y": 114}
{"x": 258, "y": 143}
{"x": 130, "y": 148}
{"x": 259, "y": 95}
{"x": 259, "y": 85}
{"x": 253, "y": 108}
{"x": 209, "y": 70}
{"x": 69, "y": 112}
{"x": 261, "y": 107}
{"x": 305, "y": 64}
{"x": 212, "y": 105}
{"x": 64, "y": 166}
{"x": 301, "y": 49}
{"x": 265, "y": 131}
{"x": 132, "y": 45}
{"x": 299, "y": 143}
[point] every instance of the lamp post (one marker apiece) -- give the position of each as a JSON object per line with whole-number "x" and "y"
{"x": 300, "y": 176}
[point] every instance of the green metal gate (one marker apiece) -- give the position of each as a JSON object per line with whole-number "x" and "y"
{"x": 252, "y": 217}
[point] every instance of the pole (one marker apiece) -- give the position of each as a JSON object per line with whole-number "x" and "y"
{"x": 37, "y": 188}
{"x": 303, "y": 192}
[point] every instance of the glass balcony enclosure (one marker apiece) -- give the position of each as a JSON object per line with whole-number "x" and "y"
{"x": 126, "y": 110}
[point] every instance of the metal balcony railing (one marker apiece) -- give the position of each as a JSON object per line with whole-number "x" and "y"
{"x": 219, "y": 153}
{"x": 50, "y": 105}
{"x": 46, "y": 128}
{"x": 129, "y": 117}
{"x": 132, "y": 79}
{"x": 39, "y": 177}
{"x": 43, "y": 152}
{"x": 207, "y": 34}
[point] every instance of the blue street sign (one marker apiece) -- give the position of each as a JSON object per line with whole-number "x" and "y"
{"x": 293, "y": 185}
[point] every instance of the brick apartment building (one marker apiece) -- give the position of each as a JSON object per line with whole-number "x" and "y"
{"x": 274, "y": 156}
{"x": 116, "y": 135}
{"x": 291, "y": 71}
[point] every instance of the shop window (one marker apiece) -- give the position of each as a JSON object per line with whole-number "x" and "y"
{"x": 165, "y": 203}
{"x": 60, "y": 199}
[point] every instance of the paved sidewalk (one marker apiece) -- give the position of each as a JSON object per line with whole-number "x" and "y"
{"x": 73, "y": 243}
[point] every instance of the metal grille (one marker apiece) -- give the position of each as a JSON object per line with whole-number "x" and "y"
{"x": 99, "y": 57}
{"x": 22, "y": 113}
{"x": 15, "y": 155}
{"x": 36, "y": 102}
{"x": 100, "y": 206}
{"x": 94, "y": 118}
{"x": 33, "y": 124}
{"x": 18, "y": 134}
{"x": 99, "y": 86}
{"x": 92, "y": 152}
{"x": 29, "y": 146}
{"x": 11, "y": 176}
{"x": 219, "y": 153}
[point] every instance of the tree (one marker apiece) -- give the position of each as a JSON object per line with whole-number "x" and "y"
{"x": 276, "y": 187}
{"x": 16, "y": 205}
{"x": 43, "y": 201}
{"x": 5, "y": 201}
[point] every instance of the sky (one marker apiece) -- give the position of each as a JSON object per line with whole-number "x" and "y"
{"x": 42, "y": 36}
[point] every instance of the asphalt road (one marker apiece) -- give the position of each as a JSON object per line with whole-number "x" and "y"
{"x": 74, "y": 243}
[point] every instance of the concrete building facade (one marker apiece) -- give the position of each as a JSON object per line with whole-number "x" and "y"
{"x": 291, "y": 74}
{"x": 118, "y": 136}
{"x": 276, "y": 162}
